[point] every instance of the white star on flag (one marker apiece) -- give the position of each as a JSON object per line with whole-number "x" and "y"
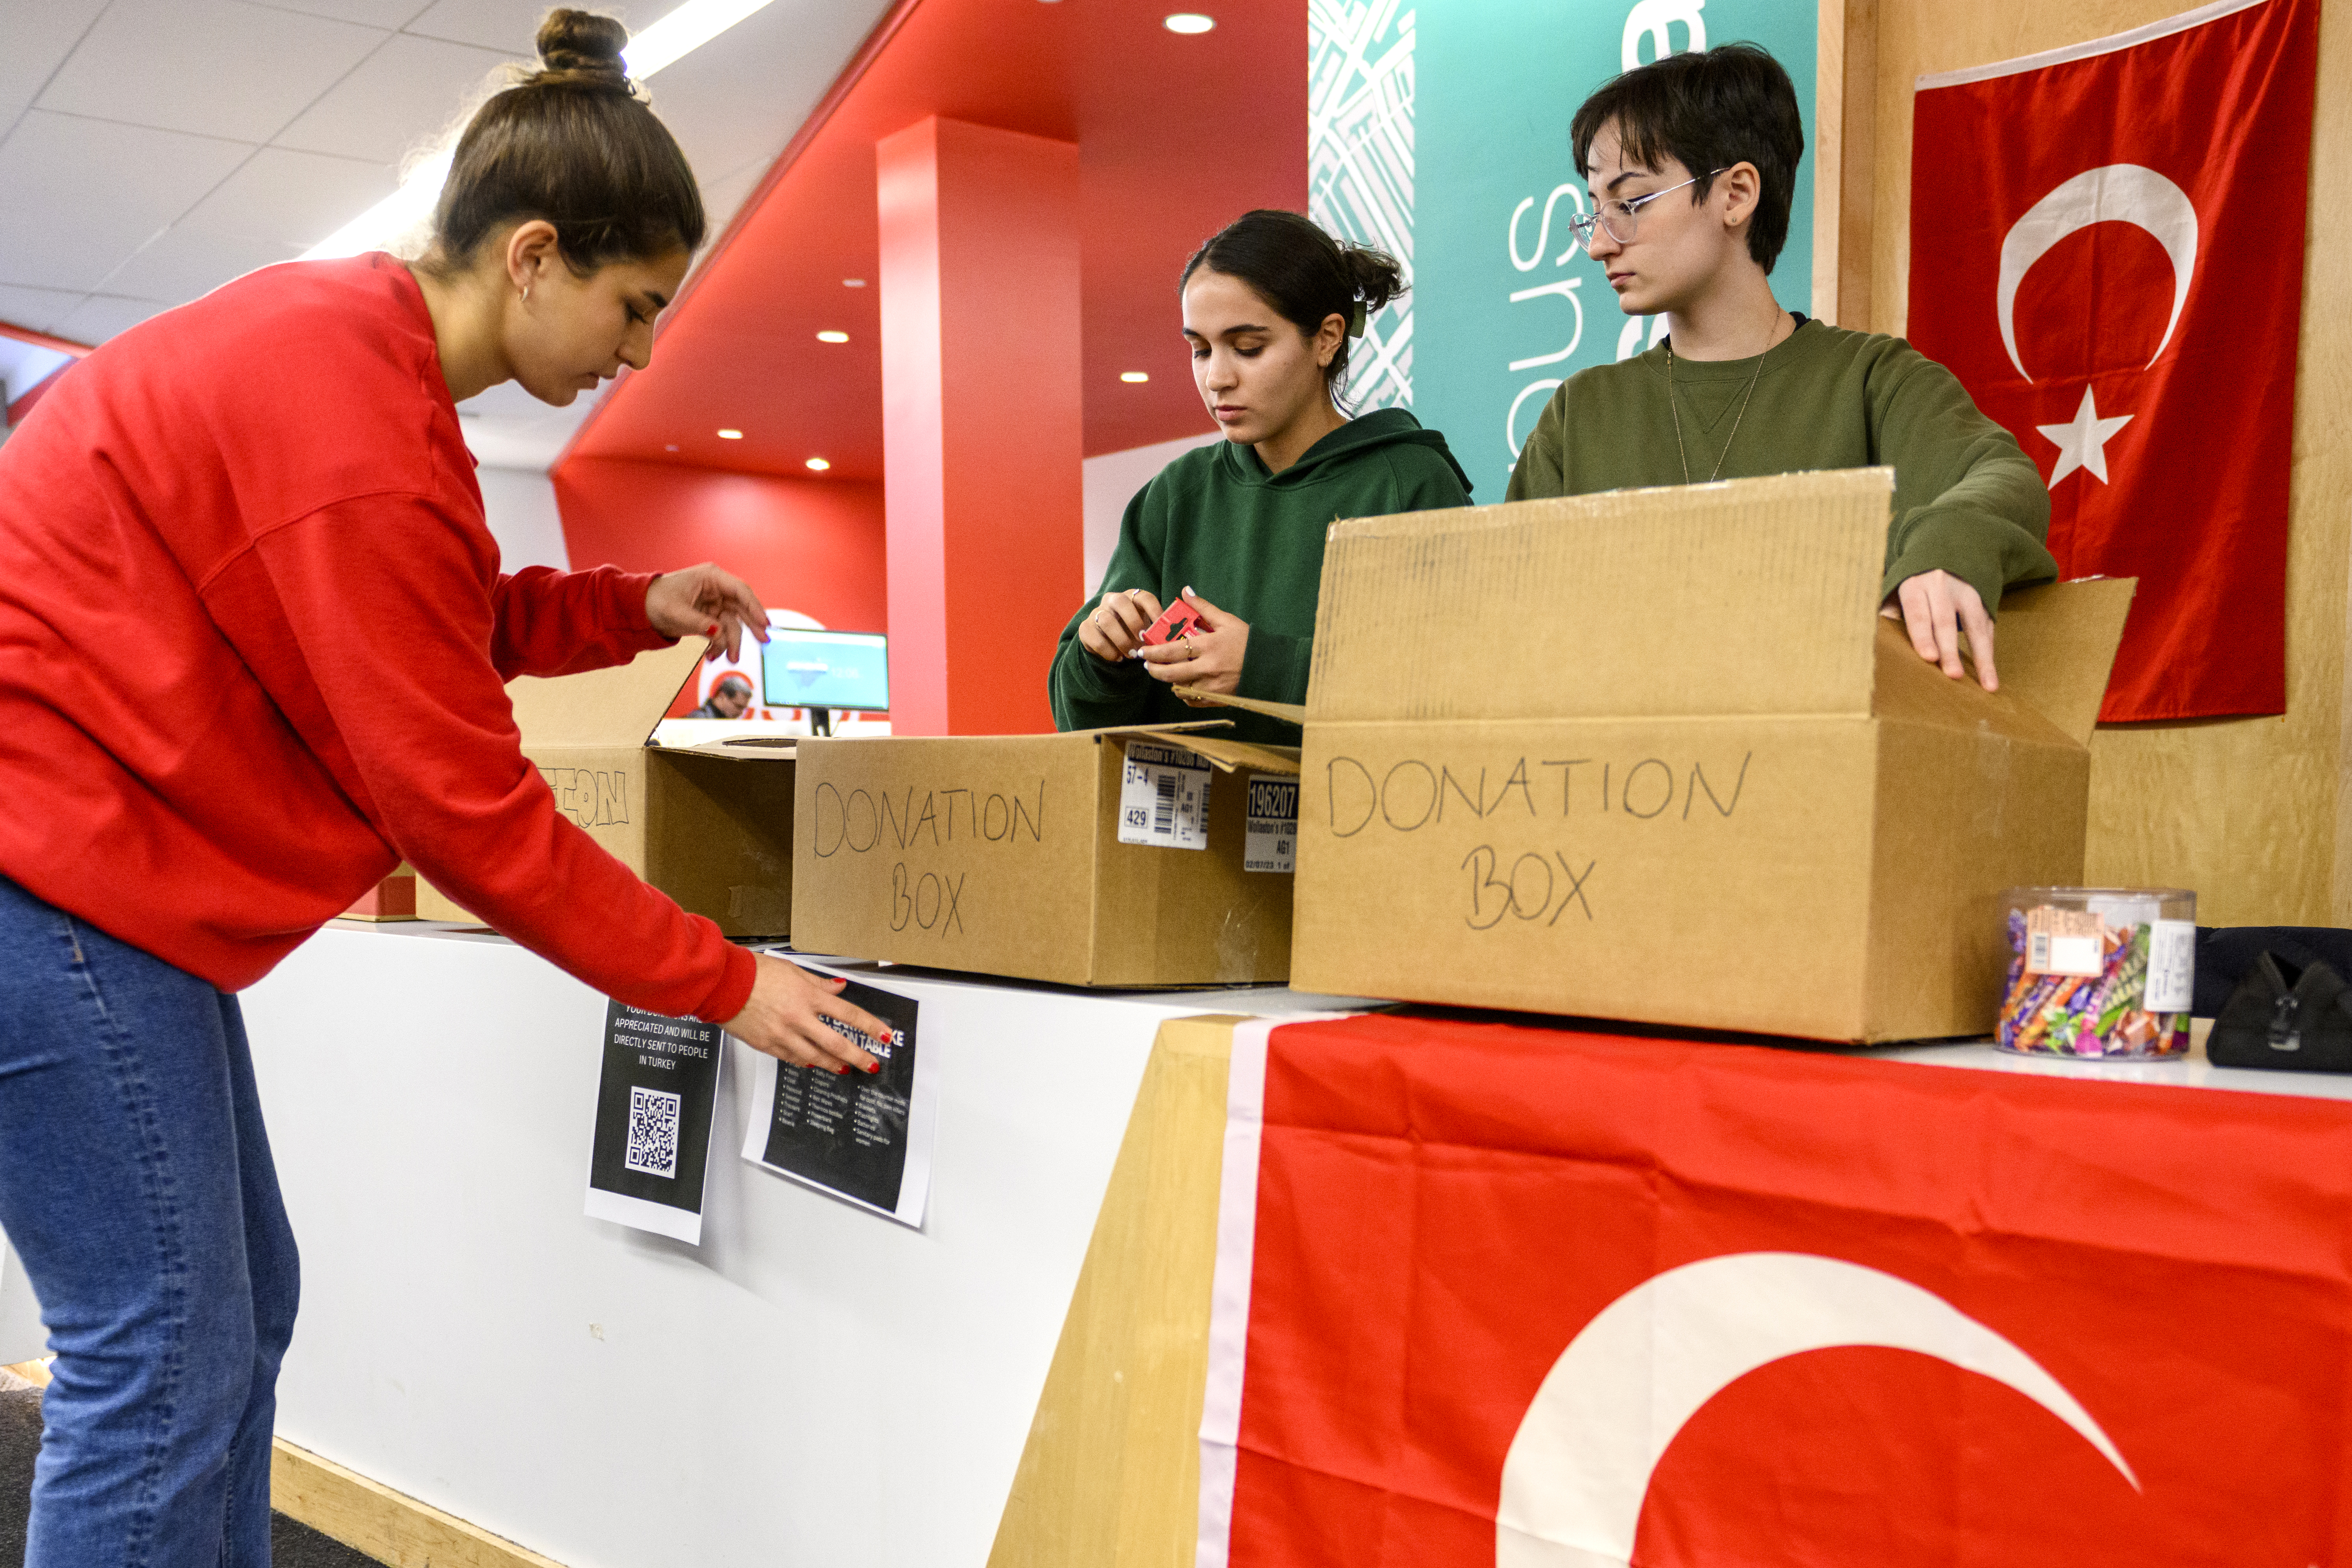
{"x": 2083, "y": 443}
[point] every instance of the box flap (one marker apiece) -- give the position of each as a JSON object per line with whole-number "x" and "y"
{"x": 1288, "y": 713}
{"x": 1747, "y": 597}
{"x": 615, "y": 707}
{"x": 1230, "y": 754}
{"x": 746, "y": 748}
{"x": 1908, "y": 686}
{"x": 2055, "y": 646}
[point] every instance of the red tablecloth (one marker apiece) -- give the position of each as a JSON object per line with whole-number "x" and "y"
{"x": 1707, "y": 1304}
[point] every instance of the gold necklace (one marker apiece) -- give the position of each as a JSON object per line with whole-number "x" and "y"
{"x": 1676, "y": 410}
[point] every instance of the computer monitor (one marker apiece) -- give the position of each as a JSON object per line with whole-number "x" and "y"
{"x": 825, "y": 671}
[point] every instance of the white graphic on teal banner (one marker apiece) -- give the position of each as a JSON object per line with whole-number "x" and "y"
{"x": 1359, "y": 166}
{"x": 1504, "y": 305}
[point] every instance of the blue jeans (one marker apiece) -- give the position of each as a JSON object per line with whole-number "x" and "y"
{"x": 136, "y": 1183}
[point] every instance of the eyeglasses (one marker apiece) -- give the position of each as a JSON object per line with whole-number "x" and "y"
{"x": 1623, "y": 219}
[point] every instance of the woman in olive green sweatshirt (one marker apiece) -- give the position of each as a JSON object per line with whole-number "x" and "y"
{"x": 1269, "y": 306}
{"x": 1692, "y": 162}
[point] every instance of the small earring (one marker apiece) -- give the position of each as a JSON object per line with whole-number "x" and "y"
{"x": 526, "y": 294}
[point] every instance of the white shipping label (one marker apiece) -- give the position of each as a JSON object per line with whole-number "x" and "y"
{"x": 2171, "y": 966}
{"x": 1163, "y": 798}
{"x": 2064, "y": 941}
{"x": 1272, "y": 823}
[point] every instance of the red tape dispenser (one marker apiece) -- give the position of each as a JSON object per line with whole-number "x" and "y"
{"x": 1178, "y": 621}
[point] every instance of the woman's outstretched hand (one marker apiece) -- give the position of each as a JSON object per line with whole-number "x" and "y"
{"x": 1210, "y": 658}
{"x": 706, "y": 601}
{"x": 787, "y": 1017}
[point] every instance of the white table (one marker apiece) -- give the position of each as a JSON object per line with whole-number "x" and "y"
{"x": 813, "y": 1386}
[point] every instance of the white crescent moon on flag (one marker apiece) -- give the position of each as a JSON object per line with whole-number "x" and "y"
{"x": 2117, "y": 193}
{"x": 1580, "y": 1466}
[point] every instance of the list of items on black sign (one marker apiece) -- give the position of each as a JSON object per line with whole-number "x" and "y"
{"x": 655, "y": 1103}
{"x": 861, "y": 1136}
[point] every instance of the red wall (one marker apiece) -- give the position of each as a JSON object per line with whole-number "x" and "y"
{"x": 811, "y": 545}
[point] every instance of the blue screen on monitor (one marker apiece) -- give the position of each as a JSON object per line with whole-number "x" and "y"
{"x": 825, "y": 669}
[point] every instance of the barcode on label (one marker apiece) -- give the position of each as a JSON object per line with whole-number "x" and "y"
{"x": 1163, "y": 797}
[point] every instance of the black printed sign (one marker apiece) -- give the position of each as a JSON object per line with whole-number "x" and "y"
{"x": 654, "y": 1110}
{"x": 848, "y": 1133}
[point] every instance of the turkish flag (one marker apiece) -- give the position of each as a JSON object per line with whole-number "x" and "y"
{"x": 2108, "y": 249}
{"x": 1501, "y": 1297}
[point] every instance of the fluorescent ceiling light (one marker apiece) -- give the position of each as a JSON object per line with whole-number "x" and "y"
{"x": 819, "y": 464}
{"x": 1188, "y": 22}
{"x": 1135, "y": 375}
{"x": 731, "y": 435}
{"x": 833, "y": 337}
{"x": 664, "y": 43}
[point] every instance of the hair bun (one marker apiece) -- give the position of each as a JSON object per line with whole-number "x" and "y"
{"x": 584, "y": 46}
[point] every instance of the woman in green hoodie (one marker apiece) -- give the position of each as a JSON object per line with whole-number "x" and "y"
{"x": 1269, "y": 307}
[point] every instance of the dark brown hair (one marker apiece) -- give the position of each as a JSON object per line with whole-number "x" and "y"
{"x": 1306, "y": 275}
{"x": 1732, "y": 104}
{"x": 576, "y": 144}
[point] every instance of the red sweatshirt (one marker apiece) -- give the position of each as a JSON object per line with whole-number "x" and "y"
{"x": 253, "y": 647}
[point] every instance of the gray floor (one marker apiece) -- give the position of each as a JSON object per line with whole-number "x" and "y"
{"x": 292, "y": 1545}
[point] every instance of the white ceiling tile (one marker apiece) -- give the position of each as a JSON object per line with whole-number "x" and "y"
{"x": 510, "y": 25}
{"x": 101, "y": 316}
{"x": 186, "y": 260}
{"x": 293, "y": 198}
{"x": 39, "y": 34}
{"x": 369, "y": 13}
{"x": 38, "y": 310}
{"x": 406, "y": 94}
{"x": 791, "y": 50}
{"x": 217, "y": 67}
{"x": 91, "y": 193}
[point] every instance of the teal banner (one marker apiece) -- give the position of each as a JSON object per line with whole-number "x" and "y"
{"x": 1504, "y": 305}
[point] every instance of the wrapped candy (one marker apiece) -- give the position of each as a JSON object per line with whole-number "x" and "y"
{"x": 2079, "y": 1014}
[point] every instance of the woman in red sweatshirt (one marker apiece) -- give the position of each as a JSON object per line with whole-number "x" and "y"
{"x": 253, "y": 644}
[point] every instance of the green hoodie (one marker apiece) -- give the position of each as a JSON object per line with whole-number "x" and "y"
{"x": 1251, "y": 542}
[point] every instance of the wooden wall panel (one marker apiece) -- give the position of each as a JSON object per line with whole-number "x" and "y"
{"x": 1111, "y": 1475}
{"x": 2249, "y": 813}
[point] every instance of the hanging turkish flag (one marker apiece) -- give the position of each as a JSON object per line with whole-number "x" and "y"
{"x": 2107, "y": 248}
{"x": 1500, "y": 1296}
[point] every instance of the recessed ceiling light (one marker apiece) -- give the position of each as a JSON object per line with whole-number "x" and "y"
{"x": 819, "y": 464}
{"x": 852, "y": 282}
{"x": 731, "y": 435}
{"x": 833, "y": 337}
{"x": 1188, "y": 22}
{"x": 1135, "y": 375}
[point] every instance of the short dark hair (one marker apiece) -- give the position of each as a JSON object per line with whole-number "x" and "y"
{"x": 1306, "y": 275}
{"x": 573, "y": 143}
{"x": 1731, "y": 104}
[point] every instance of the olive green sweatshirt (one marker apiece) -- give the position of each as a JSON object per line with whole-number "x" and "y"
{"x": 1967, "y": 499}
{"x": 1250, "y": 542}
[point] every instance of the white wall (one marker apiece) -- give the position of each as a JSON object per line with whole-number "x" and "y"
{"x": 1111, "y": 482}
{"x": 520, "y": 506}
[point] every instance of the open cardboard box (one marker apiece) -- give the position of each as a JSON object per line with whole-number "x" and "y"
{"x": 1654, "y": 755}
{"x": 711, "y": 825}
{"x": 1003, "y": 855}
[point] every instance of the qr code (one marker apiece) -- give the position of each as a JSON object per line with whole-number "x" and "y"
{"x": 653, "y": 1132}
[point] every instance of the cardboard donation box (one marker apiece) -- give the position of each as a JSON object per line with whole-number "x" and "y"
{"x": 1116, "y": 858}
{"x": 1654, "y": 755}
{"x": 711, "y": 825}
